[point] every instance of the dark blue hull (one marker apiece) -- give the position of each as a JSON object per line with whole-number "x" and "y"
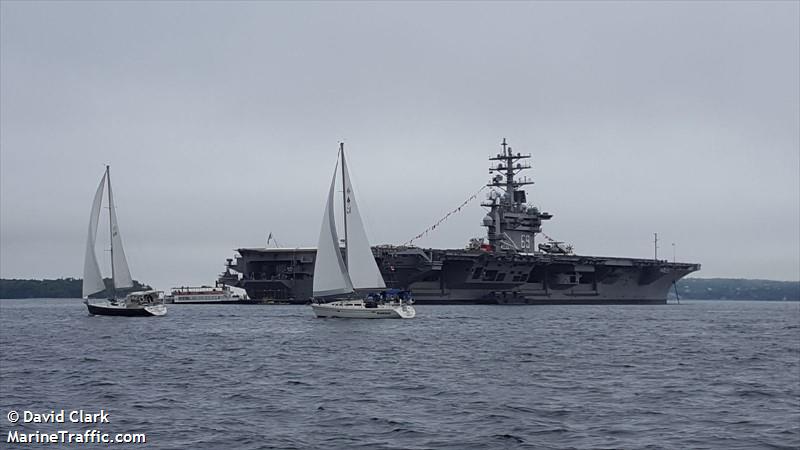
{"x": 127, "y": 312}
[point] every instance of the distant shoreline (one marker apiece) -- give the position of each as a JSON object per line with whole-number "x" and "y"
{"x": 54, "y": 288}
{"x": 736, "y": 289}
{"x": 687, "y": 288}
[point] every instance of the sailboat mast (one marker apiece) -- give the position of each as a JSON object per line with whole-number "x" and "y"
{"x": 344, "y": 201}
{"x": 111, "y": 232}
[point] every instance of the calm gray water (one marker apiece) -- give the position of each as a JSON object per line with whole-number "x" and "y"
{"x": 696, "y": 375}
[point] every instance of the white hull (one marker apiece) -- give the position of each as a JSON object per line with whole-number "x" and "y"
{"x": 210, "y": 300}
{"x": 357, "y": 310}
{"x": 190, "y": 301}
{"x": 204, "y": 294}
{"x": 156, "y": 310}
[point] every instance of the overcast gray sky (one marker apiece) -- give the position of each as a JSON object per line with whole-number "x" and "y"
{"x": 221, "y": 122}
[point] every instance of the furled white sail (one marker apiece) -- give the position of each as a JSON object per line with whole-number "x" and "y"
{"x": 330, "y": 274}
{"x": 122, "y": 274}
{"x": 92, "y": 278}
{"x": 361, "y": 264}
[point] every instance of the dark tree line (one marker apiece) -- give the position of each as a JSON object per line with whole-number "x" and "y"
{"x": 60, "y": 288}
{"x": 737, "y": 289}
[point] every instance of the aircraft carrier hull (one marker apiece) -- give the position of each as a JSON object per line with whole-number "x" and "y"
{"x": 471, "y": 277}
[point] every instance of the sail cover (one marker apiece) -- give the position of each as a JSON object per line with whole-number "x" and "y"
{"x": 361, "y": 264}
{"x": 122, "y": 274}
{"x": 92, "y": 278}
{"x": 330, "y": 274}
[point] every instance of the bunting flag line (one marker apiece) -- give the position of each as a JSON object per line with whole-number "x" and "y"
{"x": 447, "y": 216}
{"x": 549, "y": 239}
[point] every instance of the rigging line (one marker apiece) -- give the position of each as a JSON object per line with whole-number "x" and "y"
{"x": 549, "y": 239}
{"x": 445, "y": 217}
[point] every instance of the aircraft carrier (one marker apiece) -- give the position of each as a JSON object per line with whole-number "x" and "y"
{"x": 505, "y": 267}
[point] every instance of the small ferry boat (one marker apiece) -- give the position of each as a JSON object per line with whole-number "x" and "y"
{"x": 205, "y": 294}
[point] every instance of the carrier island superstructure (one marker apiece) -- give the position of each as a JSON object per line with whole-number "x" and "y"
{"x": 505, "y": 267}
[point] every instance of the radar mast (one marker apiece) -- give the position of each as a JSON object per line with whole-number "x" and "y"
{"x": 511, "y": 223}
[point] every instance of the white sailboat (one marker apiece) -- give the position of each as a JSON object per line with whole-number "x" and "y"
{"x": 336, "y": 279}
{"x": 143, "y": 303}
